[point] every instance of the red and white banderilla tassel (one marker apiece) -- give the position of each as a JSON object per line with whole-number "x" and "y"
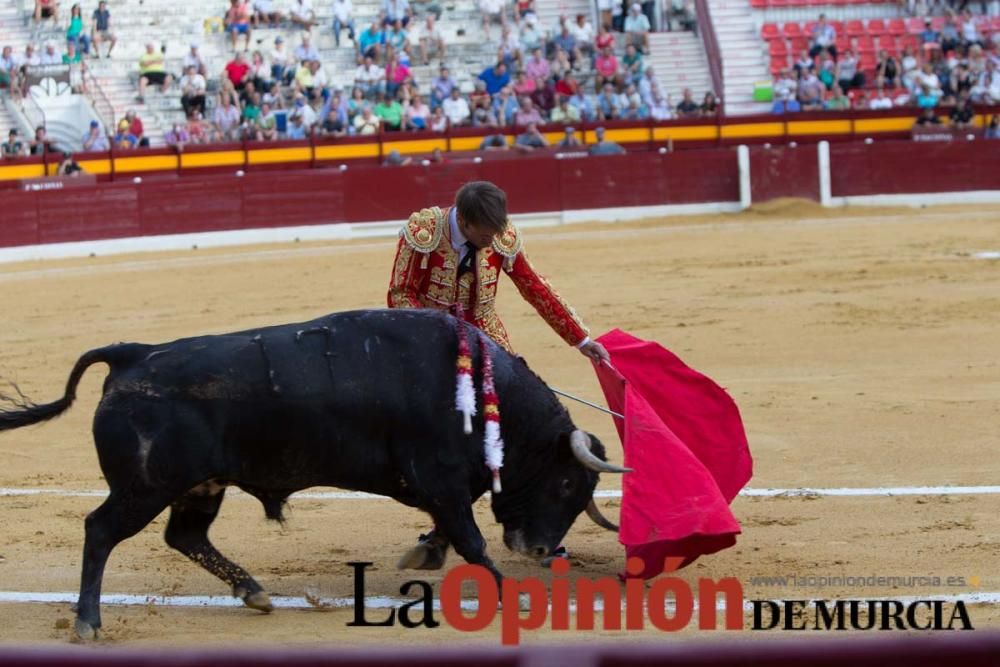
{"x": 493, "y": 443}
{"x": 465, "y": 391}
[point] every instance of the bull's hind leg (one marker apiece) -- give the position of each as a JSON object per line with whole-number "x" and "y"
{"x": 120, "y": 517}
{"x": 187, "y": 531}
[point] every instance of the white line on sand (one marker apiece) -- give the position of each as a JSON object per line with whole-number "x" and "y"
{"x": 609, "y": 493}
{"x": 381, "y": 602}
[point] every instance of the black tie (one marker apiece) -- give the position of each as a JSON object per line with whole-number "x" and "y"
{"x": 465, "y": 265}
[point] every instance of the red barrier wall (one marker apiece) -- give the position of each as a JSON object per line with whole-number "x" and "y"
{"x": 535, "y": 183}
{"x": 914, "y": 166}
{"x": 782, "y": 171}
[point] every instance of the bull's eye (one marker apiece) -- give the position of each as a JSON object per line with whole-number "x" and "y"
{"x": 566, "y": 487}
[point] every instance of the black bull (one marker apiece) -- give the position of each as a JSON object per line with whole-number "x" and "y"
{"x": 359, "y": 400}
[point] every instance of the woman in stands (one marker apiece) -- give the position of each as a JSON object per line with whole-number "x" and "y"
{"x": 709, "y": 106}
{"x": 886, "y": 70}
{"x": 76, "y": 34}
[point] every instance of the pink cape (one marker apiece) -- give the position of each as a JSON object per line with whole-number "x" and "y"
{"x": 685, "y": 442}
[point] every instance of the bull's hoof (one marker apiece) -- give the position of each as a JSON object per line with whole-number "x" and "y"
{"x": 424, "y": 556}
{"x": 85, "y": 631}
{"x": 260, "y": 601}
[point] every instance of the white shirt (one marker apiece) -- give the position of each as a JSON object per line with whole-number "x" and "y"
{"x": 370, "y": 74}
{"x": 457, "y": 111}
{"x": 583, "y": 33}
{"x": 458, "y": 239}
{"x": 342, "y": 10}
{"x": 302, "y": 8}
{"x": 880, "y": 103}
{"x": 50, "y": 59}
{"x": 195, "y": 82}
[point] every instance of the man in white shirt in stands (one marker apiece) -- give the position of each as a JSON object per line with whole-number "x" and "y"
{"x": 49, "y": 56}
{"x": 193, "y": 59}
{"x": 343, "y": 17}
{"x": 456, "y": 108}
{"x": 370, "y": 78}
{"x": 637, "y": 28}
{"x": 302, "y": 14}
{"x": 429, "y": 35}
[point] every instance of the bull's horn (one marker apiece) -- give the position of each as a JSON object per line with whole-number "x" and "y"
{"x": 595, "y": 515}
{"x": 579, "y": 442}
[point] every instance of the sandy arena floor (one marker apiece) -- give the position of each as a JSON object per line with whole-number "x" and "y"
{"x": 860, "y": 345}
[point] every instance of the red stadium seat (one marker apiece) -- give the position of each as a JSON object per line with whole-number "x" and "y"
{"x": 777, "y": 49}
{"x": 838, "y": 26}
{"x": 915, "y": 25}
{"x": 770, "y": 31}
{"x": 777, "y": 3}
{"x": 799, "y": 44}
{"x": 897, "y": 27}
{"x": 792, "y": 30}
{"x": 842, "y": 44}
{"x": 854, "y": 28}
{"x": 911, "y": 41}
{"x": 758, "y": 4}
{"x": 938, "y": 22}
{"x": 876, "y": 27}
{"x": 995, "y": 24}
{"x": 866, "y": 44}
{"x": 778, "y": 63}
{"x": 808, "y": 26}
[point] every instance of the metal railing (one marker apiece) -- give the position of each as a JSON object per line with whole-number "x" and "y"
{"x": 100, "y": 102}
{"x": 707, "y": 30}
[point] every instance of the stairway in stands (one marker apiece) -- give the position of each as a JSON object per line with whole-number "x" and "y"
{"x": 678, "y": 59}
{"x": 743, "y": 60}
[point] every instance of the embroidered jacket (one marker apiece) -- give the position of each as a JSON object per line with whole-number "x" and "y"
{"x": 425, "y": 275}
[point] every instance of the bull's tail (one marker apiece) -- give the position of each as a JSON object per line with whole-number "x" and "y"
{"x": 24, "y": 413}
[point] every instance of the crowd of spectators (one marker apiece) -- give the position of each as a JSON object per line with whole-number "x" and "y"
{"x": 953, "y": 67}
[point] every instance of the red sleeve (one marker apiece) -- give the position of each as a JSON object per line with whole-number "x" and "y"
{"x": 407, "y": 275}
{"x": 537, "y": 291}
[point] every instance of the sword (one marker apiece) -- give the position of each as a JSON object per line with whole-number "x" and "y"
{"x": 585, "y": 402}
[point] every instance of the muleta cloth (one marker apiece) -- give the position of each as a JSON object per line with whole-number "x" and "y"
{"x": 684, "y": 440}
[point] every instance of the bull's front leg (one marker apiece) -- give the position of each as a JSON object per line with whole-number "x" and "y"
{"x": 458, "y": 524}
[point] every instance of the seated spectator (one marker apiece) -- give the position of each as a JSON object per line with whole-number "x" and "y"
{"x": 510, "y": 47}
{"x": 30, "y": 58}
{"x": 543, "y": 97}
{"x": 267, "y": 123}
{"x": 637, "y": 28}
{"x": 785, "y": 104}
{"x": 305, "y": 51}
{"x": 961, "y": 80}
{"x": 632, "y": 65}
{"x": 962, "y": 117}
{"x": 687, "y": 107}
{"x": 371, "y": 42}
{"x": 390, "y": 112}
{"x": 537, "y": 67}
{"x": 302, "y": 14}
{"x": 987, "y": 89}
{"x": 74, "y": 59}
{"x": 417, "y": 115}
{"x": 396, "y": 76}
{"x": 970, "y": 33}
{"x": 560, "y": 65}
{"x": 494, "y": 142}
{"x": 785, "y": 85}
{"x": 838, "y": 101}
{"x": 827, "y": 71}
{"x": 124, "y": 139}
{"x": 177, "y": 137}
{"x": 606, "y": 10}
{"x": 237, "y": 71}
{"x": 648, "y": 85}
{"x": 456, "y": 109}
{"x": 260, "y": 72}
{"x": 95, "y": 140}
{"x": 527, "y": 114}
{"x": 993, "y": 129}
{"x": 252, "y": 110}
{"x": 302, "y": 107}
{"x": 370, "y": 78}
{"x": 333, "y": 125}
{"x": 566, "y": 41}
{"x": 68, "y": 166}
{"x": 8, "y": 68}
{"x": 567, "y": 85}
{"x": 495, "y": 78}
{"x": 523, "y": 84}
{"x": 584, "y": 106}
{"x": 193, "y": 88}
{"x": 810, "y": 92}
{"x": 264, "y": 11}
{"x": 282, "y": 63}
{"x": 928, "y": 117}
{"x": 709, "y": 105}
{"x": 926, "y": 99}
{"x": 604, "y": 147}
{"x": 136, "y": 128}
{"x": 439, "y": 122}
{"x": 193, "y": 59}
{"x": 152, "y": 70}
{"x": 929, "y": 36}
{"x": 608, "y": 103}
{"x": 274, "y": 97}
{"x": 570, "y": 140}
{"x": 530, "y": 139}
{"x": 197, "y": 130}
{"x": 46, "y": 9}
{"x": 483, "y": 116}
{"x": 660, "y": 107}
{"x": 493, "y": 11}
{"x": 100, "y": 29}
{"x": 297, "y": 130}
{"x": 397, "y": 39}
{"x": 606, "y": 68}
{"x": 880, "y": 101}
{"x": 682, "y": 13}
{"x": 479, "y": 98}
{"x": 343, "y": 17}
{"x": 366, "y": 123}
{"x": 441, "y": 87}
{"x": 50, "y": 56}
{"x": 848, "y": 75}
{"x": 238, "y": 22}
{"x": 950, "y": 39}
{"x": 531, "y": 35}
{"x": 804, "y": 63}
{"x": 564, "y": 112}
{"x": 429, "y": 36}
{"x": 886, "y": 70}
{"x": 76, "y": 32}
{"x": 910, "y": 69}
{"x": 824, "y": 37}
{"x": 928, "y": 79}
{"x": 604, "y": 39}
{"x": 225, "y": 118}
{"x": 394, "y": 159}
{"x": 583, "y": 32}
{"x": 13, "y": 147}
{"x": 505, "y": 106}
{"x": 40, "y": 144}
{"x": 522, "y": 8}
{"x": 396, "y": 10}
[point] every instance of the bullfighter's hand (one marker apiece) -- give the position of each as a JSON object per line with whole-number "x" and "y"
{"x": 595, "y": 351}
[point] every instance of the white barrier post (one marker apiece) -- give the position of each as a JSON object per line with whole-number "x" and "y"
{"x": 743, "y": 160}
{"x": 823, "y": 154}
